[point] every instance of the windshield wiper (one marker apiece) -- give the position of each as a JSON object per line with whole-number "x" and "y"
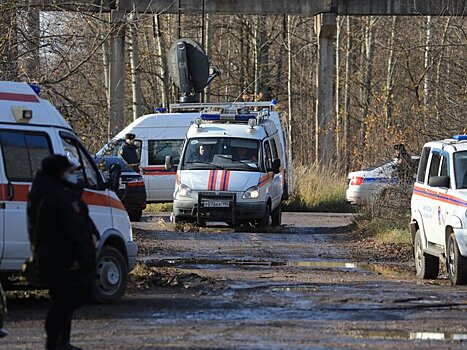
{"x": 238, "y": 160}
{"x": 206, "y": 163}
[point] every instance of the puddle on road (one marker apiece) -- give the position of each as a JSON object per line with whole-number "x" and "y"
{"x": 398, "y": 334}
{"x": 382, "y": 269}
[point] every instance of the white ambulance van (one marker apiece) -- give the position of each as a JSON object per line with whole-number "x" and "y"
{"x": 439, "y": 210}
{"x": 157, "y": 136}
{"x": 31, "y": 129}
{"x": 232, "y": 169}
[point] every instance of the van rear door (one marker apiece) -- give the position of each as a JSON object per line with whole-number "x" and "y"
{"x": 22, "y": 154}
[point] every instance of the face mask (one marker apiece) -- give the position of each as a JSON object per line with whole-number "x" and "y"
{"x": 73, "y": 178}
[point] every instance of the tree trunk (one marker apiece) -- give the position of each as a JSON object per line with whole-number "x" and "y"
{"x": 390, "y": 78}
{"x": 290, "y": 102}
{"x": 32, "y": 39}
{"x": 348, "y": 72}
{"x": 428, "y": 62}
{"x": 164, "y": 73}
{"x": 337, "y": 93}
{"x": 135, "y": 67}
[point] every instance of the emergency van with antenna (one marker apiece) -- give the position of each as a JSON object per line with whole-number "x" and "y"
{"x": 162, "y": 133}
{"x": 232, "y": 168}
{"x": 30, "y": 130}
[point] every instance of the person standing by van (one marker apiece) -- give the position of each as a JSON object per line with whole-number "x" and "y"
{"x": 130, "y": 151}
{"x": 63, "y": 241}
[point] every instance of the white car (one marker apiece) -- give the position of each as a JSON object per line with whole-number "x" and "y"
{"x": 439, "y": 210}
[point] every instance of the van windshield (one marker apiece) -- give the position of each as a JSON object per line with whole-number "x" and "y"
{"x": 460, "y": 169}
{"x": 222, "y": 153}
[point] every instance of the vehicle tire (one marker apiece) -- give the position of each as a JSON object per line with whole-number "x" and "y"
{"x": 111, "y": 276}
{"x": 426, "y": 266}
{"x": 266, "y": 220}
{"x": 135, "y": 215}
{"x": 456, "y": 263}
{"x": 276, "y": 216}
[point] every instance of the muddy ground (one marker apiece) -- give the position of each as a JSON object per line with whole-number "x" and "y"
{"x": 314, "y": 283}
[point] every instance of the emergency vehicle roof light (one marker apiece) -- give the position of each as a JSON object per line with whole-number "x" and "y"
{"x": 198, "y": 121}
{"x": 160, "y": 110}
{"x": 36, "y": 88}
{"x": 274, "y": 102}
{"x": 210, "y": 117}
{"x": 460, "y": 137}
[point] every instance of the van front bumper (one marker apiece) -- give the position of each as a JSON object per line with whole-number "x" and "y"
{"x": 239, "y": 212}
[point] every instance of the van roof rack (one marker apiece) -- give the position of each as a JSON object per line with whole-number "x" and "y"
{"x": 221, "y": 105}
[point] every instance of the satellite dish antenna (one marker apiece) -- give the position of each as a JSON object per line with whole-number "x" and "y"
{"x": 189, "y": 69}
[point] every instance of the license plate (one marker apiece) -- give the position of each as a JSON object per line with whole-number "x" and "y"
{"x": 216, "y": 204}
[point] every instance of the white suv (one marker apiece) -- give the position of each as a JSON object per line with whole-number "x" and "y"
{"x": 439, "y": 210}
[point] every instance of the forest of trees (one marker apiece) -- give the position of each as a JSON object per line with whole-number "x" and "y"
{"x": 398, "y": 79}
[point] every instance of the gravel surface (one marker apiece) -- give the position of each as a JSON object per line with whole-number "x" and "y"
{"x": 312, "y": 284}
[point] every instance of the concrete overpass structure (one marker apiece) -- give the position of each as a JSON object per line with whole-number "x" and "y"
{"x": 325, "y": 11}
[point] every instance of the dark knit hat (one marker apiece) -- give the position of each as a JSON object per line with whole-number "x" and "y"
{"x": 55, "y": 165}
{"x": 130, "y": 136}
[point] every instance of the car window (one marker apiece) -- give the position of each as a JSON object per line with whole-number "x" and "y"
{"x": 444, "y": 171}
{"x": 267, "y": 155}
{"x": 114, "y": 148}
{"x": 422, "y": 164}
{"x": 159, "y": 149}
{"x": 23, "y": 153}
{"x": 87, "y": 174}
{"x": 275, "y": 154}
{"x": 460, "y": 169}
{"x": 434, "y": 165}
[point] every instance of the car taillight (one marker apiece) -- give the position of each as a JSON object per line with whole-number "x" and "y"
{"x": 356, "y": 180}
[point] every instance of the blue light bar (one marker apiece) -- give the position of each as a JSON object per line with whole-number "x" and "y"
{"x": 244, "y": 117}
{"x": 460, "y": 137}
{"x": 274, "y": 102}
{"x": 36, "y": 88}
{"x": 210, "y": 117}
{"x": 160, "y": 110}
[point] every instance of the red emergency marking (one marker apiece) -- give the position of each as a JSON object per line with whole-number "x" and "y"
{"x": 21, "y": 192}
{"x": 157, "y": 171}
{"x": 9, "y": 96}
{"x": 439, "y": 197}
{"x": 212, "y": 180}
{"x": 135, "y": 184}
{"x": 266, "y": 179}
{"x": 225, "y": 177}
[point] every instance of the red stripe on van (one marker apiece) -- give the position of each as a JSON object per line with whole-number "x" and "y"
{"x": 9, "y": 96}
{"x": 21, "y": 192}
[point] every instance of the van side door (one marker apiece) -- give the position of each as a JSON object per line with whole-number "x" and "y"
{"x": 160, "y": 182}
{"x": 22, "y": 153}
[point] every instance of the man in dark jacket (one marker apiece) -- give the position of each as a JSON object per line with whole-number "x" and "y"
{"x": 63, "y": 239}
{"x": 130, "y": 151}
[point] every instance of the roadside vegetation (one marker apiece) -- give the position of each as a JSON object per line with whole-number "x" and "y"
{"x": 159, "y": 208}
{"x": 318, "y": 189}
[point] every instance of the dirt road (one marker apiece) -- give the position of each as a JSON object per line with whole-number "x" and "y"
{"x": 309, "y": 285}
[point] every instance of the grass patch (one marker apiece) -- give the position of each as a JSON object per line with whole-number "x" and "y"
{"x": 318, "y": 189}
{"x": 159, "y": 208}
{"x": 384, "y": 230}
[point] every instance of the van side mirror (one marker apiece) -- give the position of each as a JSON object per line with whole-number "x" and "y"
{"x": 169, "y": 162}
{"x": 276, "y": 166}
{"x": 439, "y": 181}
{"x": 115, "y": 176}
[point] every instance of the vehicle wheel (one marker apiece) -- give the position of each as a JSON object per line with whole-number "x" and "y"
{"x": 266, "y": 220}
{"x": 277, "y": 216}
{"x": 426, "y": 266}
{"x": 456, "y": 263}
{"x": 111, "y": 276}
{"x": 135, "y": 215}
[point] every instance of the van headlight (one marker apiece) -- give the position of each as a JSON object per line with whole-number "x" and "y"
{"x": 183, "y": 191}
{"x": 251, "y": 193}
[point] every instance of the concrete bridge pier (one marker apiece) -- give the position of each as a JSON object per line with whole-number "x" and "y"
{"x": 325, "y": 28}
{"x": 117, "y": 72}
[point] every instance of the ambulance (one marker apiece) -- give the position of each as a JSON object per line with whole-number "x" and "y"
{"x": 233, "y": 167}
{"x": 30, "y": 130}
{"x": 157, "y": 135}
{"x": 439, "y": 210}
